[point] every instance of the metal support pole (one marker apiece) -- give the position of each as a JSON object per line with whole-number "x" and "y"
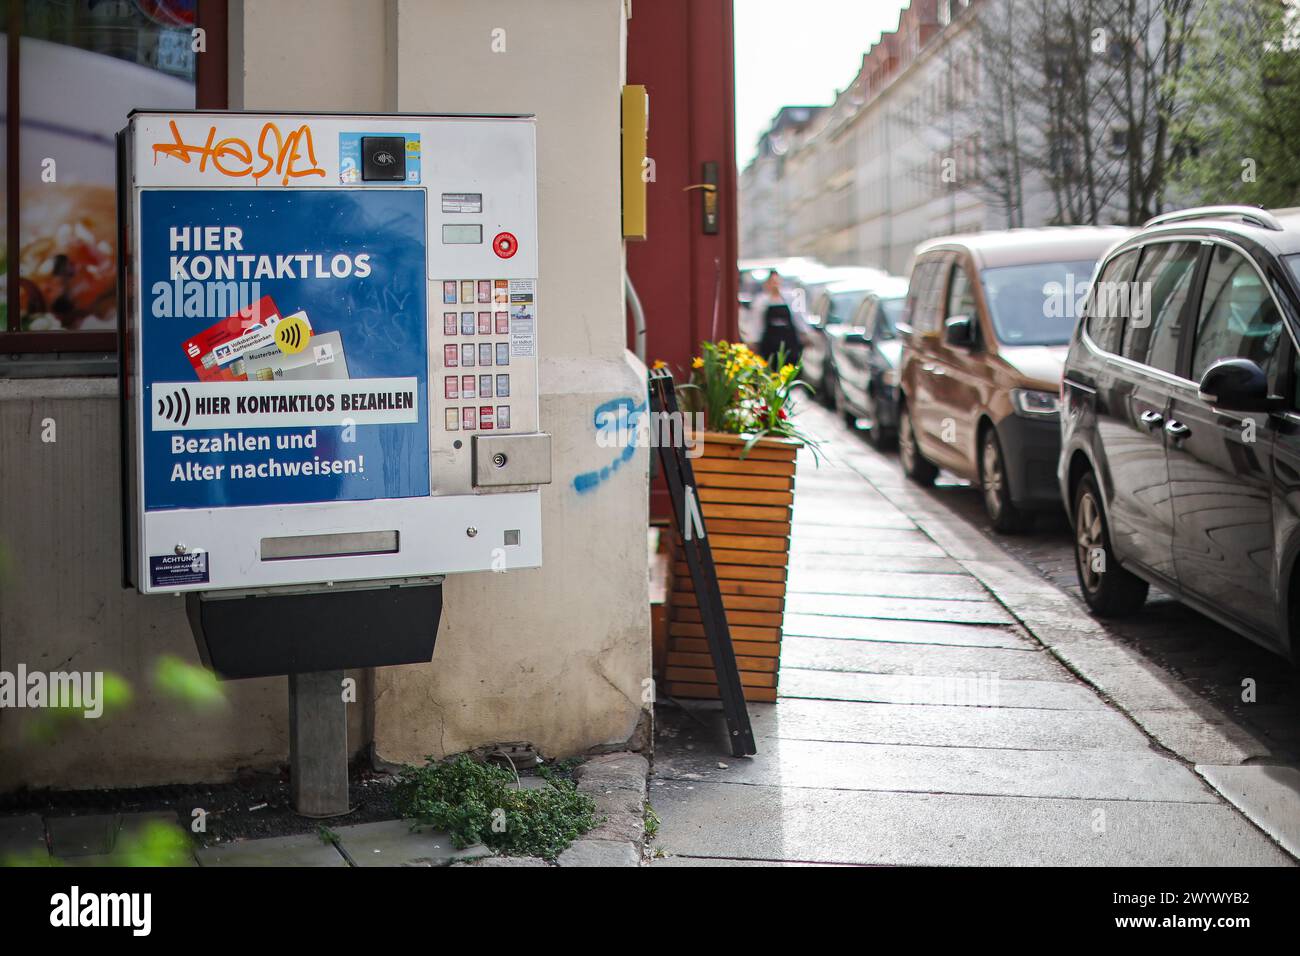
{"x": 318, "y": 744}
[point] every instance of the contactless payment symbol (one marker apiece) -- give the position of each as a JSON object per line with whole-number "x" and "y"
{"x": 175, "y": 406}
{"x": 505, "y": 245}
{"x": 291, "y": 335}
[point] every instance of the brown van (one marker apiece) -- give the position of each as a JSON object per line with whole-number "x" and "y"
{"x": 985, "y": 328}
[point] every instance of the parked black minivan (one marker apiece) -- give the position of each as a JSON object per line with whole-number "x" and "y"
{"x": 1180, "y": 422}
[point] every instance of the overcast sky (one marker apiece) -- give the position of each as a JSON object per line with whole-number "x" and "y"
{"x": 798, "y": 53}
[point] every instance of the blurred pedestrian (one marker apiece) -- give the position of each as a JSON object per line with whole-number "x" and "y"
{"x": 773, "y": 308}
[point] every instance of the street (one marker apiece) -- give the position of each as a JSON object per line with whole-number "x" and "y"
{"x": 946, "y": 700}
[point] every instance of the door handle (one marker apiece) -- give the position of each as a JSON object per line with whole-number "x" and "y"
{"x": 1177, "y": 430}
{"x": 1150, "y": 419}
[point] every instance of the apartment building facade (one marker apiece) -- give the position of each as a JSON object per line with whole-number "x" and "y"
{"x": 893, "y": 161}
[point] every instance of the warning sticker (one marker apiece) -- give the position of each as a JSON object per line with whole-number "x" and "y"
{"x": 523, "y": 325}
{"x": 175, "y": 570}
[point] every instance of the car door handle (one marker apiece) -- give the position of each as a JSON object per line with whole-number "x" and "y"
{"x": 1177, "y": 430}
{"x": 1150, "y": 419}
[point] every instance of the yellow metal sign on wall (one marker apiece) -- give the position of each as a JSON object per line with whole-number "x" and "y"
{"x": 636, "y": 125}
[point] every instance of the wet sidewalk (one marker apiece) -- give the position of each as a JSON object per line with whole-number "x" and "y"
{"x": 920, "y": 721}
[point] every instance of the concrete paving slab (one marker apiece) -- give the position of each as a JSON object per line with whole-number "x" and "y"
{"x": 884, "y": 542}
{"x": 874, "y": 657}
{"x": 912, "y": 829}
{"x": 1269, "y": 796}
{"x": 88, "y": 835}
{"x": 304, "y": 849}
{"x": 867, "y": 563}
{"x": 397, "y": 843}
{"x": 978, "y": 690}
{"x": 905, "y": 632}
{"x": 885, "y": 584}
{"x": 599, "y": 853}
{"x": 851, "y": 522}
{"x": 905, "y": 609}
{"x": 816, "y": 764}
{"x": 22, "y": 836}
{"x": 939, "y": 726}
{"x": 676, "y": 861}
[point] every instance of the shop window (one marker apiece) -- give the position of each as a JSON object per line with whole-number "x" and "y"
{"x": 82, "y": 66}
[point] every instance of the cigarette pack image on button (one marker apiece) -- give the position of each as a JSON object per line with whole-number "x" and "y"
{"x": 467, "y": 384}
{"x": 503, "y": 417}
{"x": 451, "y": 387}
{"x": 451, "y": 419}
{"x": 485, "y": 323}
{"x": 485, "y": 418}
{"x": 469, "y": 418}
{"x": 450, "y": 356}
{"x": 467, "y": 323}
{"x": 503, "y": 386}
{"x": 485, "y": 353}
{"x": 467, "y": 356}
{"x": 467, "y": 291}
{"x": 449, "y": 292}
{"x": 501, "y": 292}
{"x": 485, "y": 386}
{"x": 503, "y": 323}
{"x": 485, "y": 290}
{"x": 449, "y": 323}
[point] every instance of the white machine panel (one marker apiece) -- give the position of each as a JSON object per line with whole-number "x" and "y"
{"x": 324, "y": 317}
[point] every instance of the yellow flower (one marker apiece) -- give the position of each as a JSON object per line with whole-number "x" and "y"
{"x": 660, "y": 363}
{"x": 697, "y": 362}
{"x": 787, "y": 372}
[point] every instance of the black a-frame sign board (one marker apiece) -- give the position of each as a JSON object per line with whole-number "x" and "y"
{"x": 699, "y": 558}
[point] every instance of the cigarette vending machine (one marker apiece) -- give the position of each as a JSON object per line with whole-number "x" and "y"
{"x": 329, "y": 330}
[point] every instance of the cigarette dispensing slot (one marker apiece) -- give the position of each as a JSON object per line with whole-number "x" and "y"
{"x": 329, "y": 545}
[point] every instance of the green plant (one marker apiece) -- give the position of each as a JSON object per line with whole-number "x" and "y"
{"x": 652, "y": 822}
{"x": 741, "y": 394}
{"x": 156, "y": 844}
{"x": 481, "y": 803}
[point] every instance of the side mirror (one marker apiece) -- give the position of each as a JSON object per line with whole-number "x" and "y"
{"x": 1236, "y": 385}
{"x": 959, "y": 331}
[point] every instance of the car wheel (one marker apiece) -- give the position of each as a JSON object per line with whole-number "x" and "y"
{"x": 995, "y": 488}
{"x": 909, "y": 455}
{"x": 1109, "y": 589}
{"x": 880, "y": 438}
{"x": 830, "y": 384}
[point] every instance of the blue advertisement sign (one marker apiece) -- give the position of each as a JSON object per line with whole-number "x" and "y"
{"x": 284, "y": 346}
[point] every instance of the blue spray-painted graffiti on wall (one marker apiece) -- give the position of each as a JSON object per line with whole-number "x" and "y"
{"x": 617, "y": 424}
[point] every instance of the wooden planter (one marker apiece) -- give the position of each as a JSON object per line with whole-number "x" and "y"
{"x": 746, "y": 505}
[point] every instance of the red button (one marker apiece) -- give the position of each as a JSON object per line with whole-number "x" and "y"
{"x": 505, "y": 245}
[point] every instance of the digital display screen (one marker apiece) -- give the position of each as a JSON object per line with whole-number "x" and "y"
{"x": 461, "y": 234}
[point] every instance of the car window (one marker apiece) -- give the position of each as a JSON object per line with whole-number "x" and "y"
{"x": 961, "y": 298}
{"x": 841, "y": 305}
{"x": 889, "y": 312}
{"x": 925, "y": 294}
{"x": 1111, "y": 297}
{"x": 1033, "y": 304}
{"x": 1164, "y": 280}
{"x": 1238, "y": 318}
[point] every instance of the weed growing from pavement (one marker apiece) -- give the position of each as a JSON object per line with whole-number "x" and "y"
{"x": 481, "y": 803}
{"x": 652, "y": 822}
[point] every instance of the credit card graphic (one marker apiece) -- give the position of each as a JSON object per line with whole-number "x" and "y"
{"x": 212, "y": 352}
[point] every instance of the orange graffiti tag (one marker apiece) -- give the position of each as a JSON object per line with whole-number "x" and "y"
{"x": 290, "y": 157}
